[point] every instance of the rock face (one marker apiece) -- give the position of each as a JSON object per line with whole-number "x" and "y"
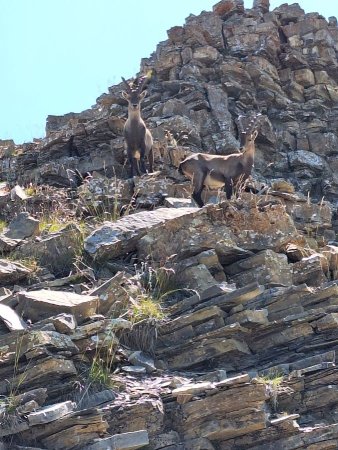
{"x": 155, "y": 324}
{"x": 218, "y": 65}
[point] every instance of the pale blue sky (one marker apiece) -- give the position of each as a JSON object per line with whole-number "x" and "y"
{"x": 58, "y": 56}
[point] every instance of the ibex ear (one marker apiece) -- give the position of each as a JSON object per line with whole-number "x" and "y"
{"x": 124, "y": 95}
{"x": 254, "y": 135}
{"x": 143, "y": 94}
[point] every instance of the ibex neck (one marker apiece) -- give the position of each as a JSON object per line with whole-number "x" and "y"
{"x": 134, "y": 115}
{"x": 249, "y": 150}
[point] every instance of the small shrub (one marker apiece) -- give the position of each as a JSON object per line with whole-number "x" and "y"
{"x": 31, "y": 190}
{"x": 145, "y": 307}
{"x": 273, "y": 381}
{"x": 51, "y": 225}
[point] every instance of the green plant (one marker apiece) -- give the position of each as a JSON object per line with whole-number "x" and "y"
{"x": 102, "y": 200}
{"x": 31, "y": 190}
{"x": 100, "y": 355}
{"x": 9, "y": 403}
{"x": 145, "y": 307}
{"x": 3, "y": 225}
{"x": 51, "y": 224}
{"x": 99, "y": 372}
{"x": 273, "y": 380}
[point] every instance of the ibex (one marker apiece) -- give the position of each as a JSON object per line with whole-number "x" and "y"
{"x": 138, "y": 139}
{"x": 217, "y": 171}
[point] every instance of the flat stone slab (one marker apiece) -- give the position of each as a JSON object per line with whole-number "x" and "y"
{"x": 51, "y": 413}
{"x": 124, "y": 441}
{"x": 37, "y": 305}
{"x": 114, "y": 239}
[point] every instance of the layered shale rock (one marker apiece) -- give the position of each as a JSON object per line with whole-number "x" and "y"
{"x": 241, "y": 352}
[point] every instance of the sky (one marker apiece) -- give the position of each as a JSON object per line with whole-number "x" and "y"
{"x": 58, "y": 56}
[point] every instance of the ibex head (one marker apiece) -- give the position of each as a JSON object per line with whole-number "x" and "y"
{"x": 249, "y": 131}
{"x": 133, "y": 93}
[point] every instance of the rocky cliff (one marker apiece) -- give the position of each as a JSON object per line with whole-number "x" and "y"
{"x": 129, "y": 318}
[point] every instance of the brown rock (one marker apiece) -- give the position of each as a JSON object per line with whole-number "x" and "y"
{"x": 37, "y": 305}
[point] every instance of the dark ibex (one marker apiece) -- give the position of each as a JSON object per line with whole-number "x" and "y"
{"x": 138, "y": 139}
{"x": 217, "y": 171}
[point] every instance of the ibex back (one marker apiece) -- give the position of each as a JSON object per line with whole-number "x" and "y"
{"x": 217, "y": 171}
{"x": 138, "y": 139}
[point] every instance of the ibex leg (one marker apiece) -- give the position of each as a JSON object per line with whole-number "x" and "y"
{"x": 134, "y": 167}
{"x": 198, "y": 181}
{"x": 228, "y": 187}
{"x": 151, "y": 160}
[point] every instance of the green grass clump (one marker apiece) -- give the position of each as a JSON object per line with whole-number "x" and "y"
{"x": 51, "y": 225}
{"x": 272, "y": 379}
{"x": 146, "y": 307}
{"x": 3, "y": 225}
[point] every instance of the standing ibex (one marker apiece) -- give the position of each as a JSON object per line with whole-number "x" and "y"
{"x": 138, "y": 139}
{"x": 216, "y": 171}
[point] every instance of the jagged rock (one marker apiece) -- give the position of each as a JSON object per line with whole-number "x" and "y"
{"x": 56, "y": 251}
{"x": 11, "y": 272}
{"x": 22, "y": 226}
{"x": 101, "y": 195}
{"x": 112, "y": 240}
{"x": 153, "y": 188}
{"x": 195, "y": 277}
{"x": 209, "y": 259}
{"x": 64, "y": 323}
{"x": 37, "y": 305}
{"x": 7, "y": 244}
{"x": 310, "y": 270}
{"x": 17, "y": 193}
{"x": 44, "y": 372}
{"x": 11, "y": 318}
{"x": 246, "y": 318}
{"x": 138, "y": 358}
{"x": 113, "y": 295}
{"x": 266, "y": 267}
{"x": 310, "y": 216}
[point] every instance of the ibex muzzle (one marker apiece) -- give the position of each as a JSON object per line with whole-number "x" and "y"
{"x": 217, "y": 171}
{"x": 138, "y": 139}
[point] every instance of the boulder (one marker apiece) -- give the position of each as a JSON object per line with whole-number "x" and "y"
{"x": 22, "y": 226}
{"x": 11, "y": 272}
{"x": 37, "y": 305}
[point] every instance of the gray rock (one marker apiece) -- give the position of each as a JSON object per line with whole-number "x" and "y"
{"x": 50, "y": 413}
{"x": 22, "y": 226}
{"x": 11, "y": 272}
{"x": 123, "y": 441}
{"x": 139, "y": 358}
{"x": 266, "y": 267}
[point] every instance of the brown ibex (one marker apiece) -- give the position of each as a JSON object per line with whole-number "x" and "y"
{"x": 217, "y": 171}
{"x": 138, "y": 139}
